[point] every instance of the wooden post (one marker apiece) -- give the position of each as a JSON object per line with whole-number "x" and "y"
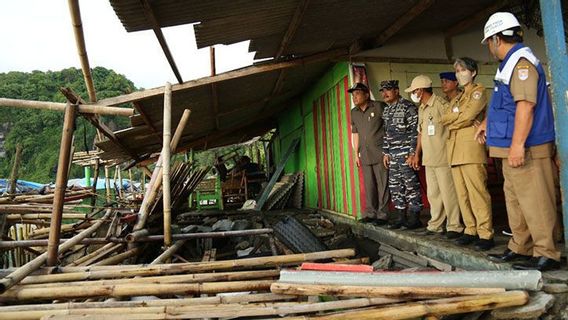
{"x": 60, "y": 184}
{"x": 95, "y": 181}
{"x": 15, "y": 167}
{"x": 166, "y": 200}
{"x": 107, "y": 185}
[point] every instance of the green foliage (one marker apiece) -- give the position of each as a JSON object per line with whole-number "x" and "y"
{"x": 39, "y": 131}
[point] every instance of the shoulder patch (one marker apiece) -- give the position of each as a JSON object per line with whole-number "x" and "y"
{"x": 476, "y": 95}
{"x": 523, "y": 74}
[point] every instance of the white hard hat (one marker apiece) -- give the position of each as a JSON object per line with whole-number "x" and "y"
{"x": 499, "y": 22}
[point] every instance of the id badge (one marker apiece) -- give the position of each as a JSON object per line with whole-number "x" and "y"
{"x": 431, "y": 129}
{"x": 456, "y": 109}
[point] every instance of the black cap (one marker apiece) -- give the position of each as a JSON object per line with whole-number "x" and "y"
{"x": 388, "y": 84}
{"x": 449, "y": 75}
{"x": 358, "y": 86}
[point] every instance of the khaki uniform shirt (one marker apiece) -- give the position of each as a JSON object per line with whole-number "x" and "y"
{"x": 434, "y": 139}
{"x": 520, "y": 90}
{"x": 460, "y": 119}
{"x": 369, "y": 125}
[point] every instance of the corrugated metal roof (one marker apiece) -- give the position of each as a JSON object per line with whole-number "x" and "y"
{"x": 246, "y": 105}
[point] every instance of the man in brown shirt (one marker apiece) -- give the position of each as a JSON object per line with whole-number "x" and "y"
{"x": 367, "y": 131}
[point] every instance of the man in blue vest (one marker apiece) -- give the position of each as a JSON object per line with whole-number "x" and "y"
{"x": 519, "y": 128}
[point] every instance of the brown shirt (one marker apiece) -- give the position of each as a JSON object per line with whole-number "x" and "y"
{"x": 523, "y": 86}
{"x": 433, "y": 140}
{"x": 370, "y": 127}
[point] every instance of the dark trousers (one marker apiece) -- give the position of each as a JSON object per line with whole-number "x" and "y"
{"x": 376, "y": 189}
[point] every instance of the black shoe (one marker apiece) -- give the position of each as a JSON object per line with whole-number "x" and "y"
{"x": 484, "y": 244}
{"x": 399, "y": 219}
{"x": 395, "y": 225}
{"x": 413, "y": 221}
{"x": 465, "y": 239}
{"x": 508, "y": 256}
{"x": 538, "y": 263}
{"x": 453, "y": 235}
{"x": 429, "y": 233}
{"x": 367, "y": 220}
{"x": 380, "y": 222}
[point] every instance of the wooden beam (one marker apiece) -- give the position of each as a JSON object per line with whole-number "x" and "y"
{"x": 402, "y": 22}
{"x": 74, "y": 98}
{"x": 58, "y": 106}
{"x": 144, "y": 116}
{"x": 82, "y": 48}
{"x": 149, "y": 13}
{"x": 214, "y": 97}
{"x": 474, "y": 19}
{"x": 292, "y": 28}
{"x": 240, "y": 73}
{"x": 399, "y": 60}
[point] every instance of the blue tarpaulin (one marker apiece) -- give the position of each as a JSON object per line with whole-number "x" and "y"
{"x": 22, "y": 186}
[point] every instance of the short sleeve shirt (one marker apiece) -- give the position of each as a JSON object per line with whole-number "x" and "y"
{"x": 370, "y": 127}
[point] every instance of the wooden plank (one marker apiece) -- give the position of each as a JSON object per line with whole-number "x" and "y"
{"x": 244, "y": 72}
{"x": 265, "y": 193}
{"x": 151, "y": 17}
{"x": 292, "y": 28}
{"x": 402, "y": 21}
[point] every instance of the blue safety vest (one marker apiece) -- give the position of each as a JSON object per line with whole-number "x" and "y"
{"x": 501, "y": 112}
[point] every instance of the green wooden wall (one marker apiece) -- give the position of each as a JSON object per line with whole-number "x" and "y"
{"x": 321, "y": 118}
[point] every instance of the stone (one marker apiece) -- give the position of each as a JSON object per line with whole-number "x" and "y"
{"x": 209, "y": 221}
{"x": 240, "y": 225}
{"x": 538, "y": 304}
{"x": 223, "y": 225}
{"x": 384, "y": 263}
{"x": 556, "y": 276}
{"x": 555, "y": 288}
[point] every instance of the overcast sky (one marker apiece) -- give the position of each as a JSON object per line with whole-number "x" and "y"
{"x": 38, "y": 35}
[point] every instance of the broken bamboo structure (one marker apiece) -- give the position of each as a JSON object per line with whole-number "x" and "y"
{"x": 166, "y": 151}
{"x": 156, "y": 180}
{"x": 20, "y": 273}
{"x": 146, "y": 238}
{"x": 61, "y": 183}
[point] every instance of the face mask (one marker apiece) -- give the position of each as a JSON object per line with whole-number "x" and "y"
{"x": 415, "y": 98}
{"x": 464, "y": 77}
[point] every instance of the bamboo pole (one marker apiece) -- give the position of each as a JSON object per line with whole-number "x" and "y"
{"x": 35, "y": 311}
{"x": 61, "y": 184}
{"x": 166, "y": 190}
{"x": 20, "y": 273}
{"x": 156, "y": 180}
{"x": 136, "y": 289}
{"x": 167, "y": 254}
{"x": 439, "y": 307}
{"x": 127, "y": 271}
{"x": 182, "y": 236}
{"x": 375, "y": 291}
{"x": 178, "y": 278}
{"x": 210, "y": 311}
{"x": 116, "y": 259}
{"x": 15, "y": 167}
{"x": 58, "y": 106}
{"x": 95, "y": 182}
{"x": 47, "y": 216}
{"x": 107, "y": 185}
{"x": 81, "y": 47}
{"x": 95, "y": 255}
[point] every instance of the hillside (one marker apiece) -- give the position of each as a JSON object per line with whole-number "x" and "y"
{"x": 39, "y": 131}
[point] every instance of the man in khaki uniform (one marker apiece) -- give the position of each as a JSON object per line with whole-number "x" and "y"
{"x": 432, "y": 137}
{"x": 450, "y": 85}
{"x": 469, "y": 158}
{"x": 520, "y": 129}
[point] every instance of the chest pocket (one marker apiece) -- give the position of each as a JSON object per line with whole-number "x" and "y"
{"x": 398, "y": 117}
